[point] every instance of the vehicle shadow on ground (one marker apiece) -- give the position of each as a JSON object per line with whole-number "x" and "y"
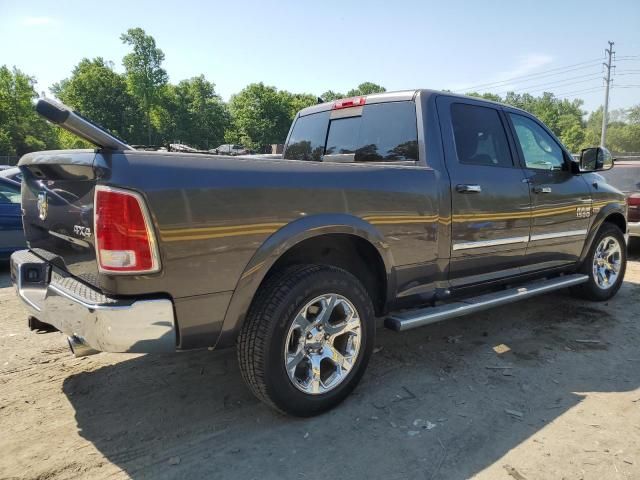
{"x": 436, "y": 402}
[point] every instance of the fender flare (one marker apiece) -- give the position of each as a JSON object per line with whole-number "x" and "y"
{"x": 282, "y": 241}
{"x": 604, "y": 213}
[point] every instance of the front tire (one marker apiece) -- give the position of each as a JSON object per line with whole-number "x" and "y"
{"x": 307, "y": 339}
{"x": 605, "y": 265}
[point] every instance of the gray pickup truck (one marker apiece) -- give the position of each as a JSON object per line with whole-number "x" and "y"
{"x": 409, "y": 207}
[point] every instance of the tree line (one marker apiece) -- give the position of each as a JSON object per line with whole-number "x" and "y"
{"x": 144, "y": 108}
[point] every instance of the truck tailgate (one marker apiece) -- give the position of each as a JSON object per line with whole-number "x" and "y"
{"x": 57, "y": 207}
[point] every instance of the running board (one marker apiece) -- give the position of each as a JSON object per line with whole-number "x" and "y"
{"x": 424, "y": 316}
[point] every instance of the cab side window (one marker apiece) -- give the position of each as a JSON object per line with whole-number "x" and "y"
{"x": 307, "y": 137}
{"x": 540, "y": 150}
{"x": 479, "y": 135}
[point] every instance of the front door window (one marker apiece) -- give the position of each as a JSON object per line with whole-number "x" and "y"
{"x": 539, "y": 149}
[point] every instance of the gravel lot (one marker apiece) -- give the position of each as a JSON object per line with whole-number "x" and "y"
{"x": 436, "y": 402}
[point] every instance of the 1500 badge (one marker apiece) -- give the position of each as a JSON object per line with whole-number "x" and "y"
{"x": 583, "y": 212}
{"x": 82, "y": 231}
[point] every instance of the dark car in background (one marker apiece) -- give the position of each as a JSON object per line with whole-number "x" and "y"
{"x": 11, "y": 233}
{"x": 626, "y": 178}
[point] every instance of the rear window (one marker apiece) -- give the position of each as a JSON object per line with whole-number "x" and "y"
{"x": 385, "y": 132}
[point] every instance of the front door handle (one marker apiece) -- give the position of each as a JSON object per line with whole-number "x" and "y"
{"x": 541, "y": 189}
{"x": 463, "y": 188}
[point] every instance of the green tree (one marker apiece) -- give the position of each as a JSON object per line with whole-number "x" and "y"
{"x": 297, "y": 101}
{"x": 260, "y": 116}
{"x": 623, "y": 130}
{"x": 366, "y": 88}
{"x": 330, "y": 96}
{"x": 623, "y": 137}
{"x": 199, "y": 115}
{"x": 633, "y": 115}
{"x": 22, "y": 130}
{"x": 99, "y": 93}
{"x": 145, "y": 75}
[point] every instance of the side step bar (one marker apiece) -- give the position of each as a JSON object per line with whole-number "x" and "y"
{"x": 417, "y": 318}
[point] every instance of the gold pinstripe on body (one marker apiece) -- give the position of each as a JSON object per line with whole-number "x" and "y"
{"x": 203, "y": 233}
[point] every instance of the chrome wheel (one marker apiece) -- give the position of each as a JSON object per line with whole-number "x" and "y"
{"x": 607, "y": 261}
{"x": 322, "y": 344}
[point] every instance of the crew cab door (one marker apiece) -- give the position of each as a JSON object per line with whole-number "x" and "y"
{"x": 561, "y": 201}
{"x": 489, "y": 197}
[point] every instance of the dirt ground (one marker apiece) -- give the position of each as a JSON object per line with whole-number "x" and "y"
{"x": 436, "y": 403}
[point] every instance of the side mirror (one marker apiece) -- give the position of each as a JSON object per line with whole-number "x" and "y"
{"x": 595, "y": 159}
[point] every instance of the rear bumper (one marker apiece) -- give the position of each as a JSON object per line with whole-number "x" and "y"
{"x": 633, "y": 229}
{"x": 104, "y": 323}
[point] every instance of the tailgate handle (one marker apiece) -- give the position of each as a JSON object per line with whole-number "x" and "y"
{"x": 464, "y": 188}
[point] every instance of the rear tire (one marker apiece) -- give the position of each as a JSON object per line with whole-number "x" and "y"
{"x": 307, "y": 339}
{"x": 605, "y": 265}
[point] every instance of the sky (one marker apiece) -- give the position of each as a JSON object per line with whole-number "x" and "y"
{"x": 313, "y": 47}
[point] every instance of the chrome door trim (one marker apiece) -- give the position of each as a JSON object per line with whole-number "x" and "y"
{"x": 489, "y": 243}
{"x": 547, "y": 236}
{"x": 508, "y": 241}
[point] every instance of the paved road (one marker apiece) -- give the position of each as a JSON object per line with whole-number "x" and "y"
{"x": 437, "y": 402}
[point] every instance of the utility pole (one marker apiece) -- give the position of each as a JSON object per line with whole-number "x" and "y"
{"x": 605, "y": 113}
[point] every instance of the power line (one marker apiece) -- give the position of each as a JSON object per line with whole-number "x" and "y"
{"x": 576, "y": 92}
{"x": 561, "y": 83}
{"x": 542, "y": 74}
{"x": 537, "y": 77}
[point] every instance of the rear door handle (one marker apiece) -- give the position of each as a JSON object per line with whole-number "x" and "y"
{"x": 463, "y": 188}
{"x": 541, "y": 189}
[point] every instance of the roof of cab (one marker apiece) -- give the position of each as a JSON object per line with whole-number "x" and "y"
{"x": 398, "y": 96}
{"x": 373, "y": 98}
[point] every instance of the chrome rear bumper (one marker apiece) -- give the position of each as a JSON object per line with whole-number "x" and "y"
{"x": 104, "y": 323}
{"x": 633, "y": 229}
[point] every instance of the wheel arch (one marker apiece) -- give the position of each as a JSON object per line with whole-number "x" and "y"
{"x": 611, "y": 213}
{"x": 288, "y": 244}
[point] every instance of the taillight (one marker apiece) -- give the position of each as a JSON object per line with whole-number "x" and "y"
{"x": 633, "y": 200}
{"x": 125, "y": 242}
{"x": 349, "y": 102}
